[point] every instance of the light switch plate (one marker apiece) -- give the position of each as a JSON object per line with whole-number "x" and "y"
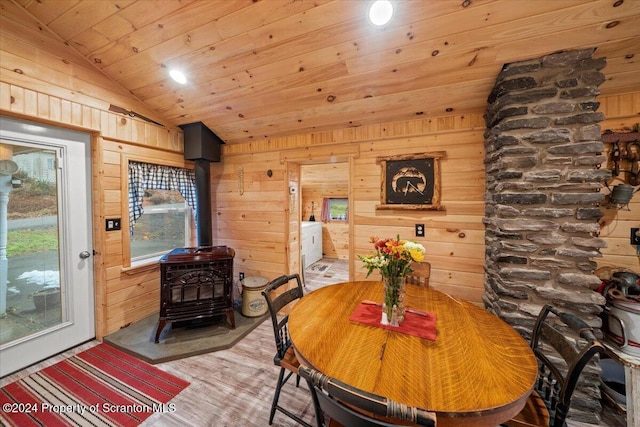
{"x": 112, "y": 224}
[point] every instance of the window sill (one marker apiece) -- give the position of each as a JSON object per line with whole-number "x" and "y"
{"x": 141, "y": 267}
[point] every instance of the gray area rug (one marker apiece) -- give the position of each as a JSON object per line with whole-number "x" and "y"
{"x": 320, "y": 267}
{"x": 177, "y": 342}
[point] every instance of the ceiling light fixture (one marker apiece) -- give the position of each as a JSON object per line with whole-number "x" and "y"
{"x": 380, "y": 12}
{"x": 178, "y": 76}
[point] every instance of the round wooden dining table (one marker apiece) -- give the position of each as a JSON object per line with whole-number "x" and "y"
{"x": 478, "y": 371}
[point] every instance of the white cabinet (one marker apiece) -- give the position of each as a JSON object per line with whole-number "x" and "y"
{"x": 311, "y": 240}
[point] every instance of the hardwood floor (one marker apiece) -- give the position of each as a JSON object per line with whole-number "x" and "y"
{"x": 235, "y": 387}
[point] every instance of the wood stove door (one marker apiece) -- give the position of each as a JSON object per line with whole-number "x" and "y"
{"x": 195, "y": 289}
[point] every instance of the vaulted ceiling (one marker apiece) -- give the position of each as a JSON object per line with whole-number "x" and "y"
{"x": 271, "y": 68}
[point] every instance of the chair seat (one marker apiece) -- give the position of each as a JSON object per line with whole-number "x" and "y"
{"x": 290, "y": 361}
{"x": 534, "y": 414}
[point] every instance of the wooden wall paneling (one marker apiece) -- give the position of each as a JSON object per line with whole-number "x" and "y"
{"x": 458, "y": 285}
{"x": 336, "y": 152}
{"x": 292, "y": 219}
{"x": 30, "y": 103}
{"x": 99, "y": 245}
{"x": 253, "y": 222}
{"x": 140, "y": 288}
{"x": 624, "y": 106}
{"x": 335, "y": 241}
{"x": 112, "y": 273}
{"x": 133, "y": 309}
{"x": 622, "y": 112}
{"x": 257, "y": 258}
{"x": 24, "y": 53}
{"x": 112, "y": 209}
{"x": 17, "y": 99}
{"x": 5, "y": 96}
{"x": 42, "y": 72}
{"x": 43, "y": 110}
{"x": 352, "y": 220}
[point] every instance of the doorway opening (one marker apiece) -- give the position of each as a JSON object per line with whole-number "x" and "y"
{"x": 325, "y": 223}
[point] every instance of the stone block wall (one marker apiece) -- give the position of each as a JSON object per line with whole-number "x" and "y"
{"x": 543, "y": 152}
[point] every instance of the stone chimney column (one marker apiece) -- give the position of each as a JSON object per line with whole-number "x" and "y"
{"x": 543, "y": 179}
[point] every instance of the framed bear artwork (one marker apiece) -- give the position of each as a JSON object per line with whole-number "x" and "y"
{"x": 411, "y": 181}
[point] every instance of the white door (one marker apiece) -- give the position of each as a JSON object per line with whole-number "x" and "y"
{"x": 46, "y": 262}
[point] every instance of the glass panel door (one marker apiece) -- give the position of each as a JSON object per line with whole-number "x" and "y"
{"x": 46, "y": 264}
{"x": 30, "y": 254}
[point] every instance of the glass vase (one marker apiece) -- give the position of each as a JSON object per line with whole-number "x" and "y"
{"x": 394, "y": 300}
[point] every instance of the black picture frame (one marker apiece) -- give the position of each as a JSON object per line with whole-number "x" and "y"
{"x": 411, "y": 181}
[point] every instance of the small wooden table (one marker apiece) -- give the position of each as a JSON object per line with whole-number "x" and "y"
{"x": 478, "y": 372}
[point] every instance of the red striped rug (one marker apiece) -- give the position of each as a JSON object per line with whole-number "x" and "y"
{"x": 101, "y": 386}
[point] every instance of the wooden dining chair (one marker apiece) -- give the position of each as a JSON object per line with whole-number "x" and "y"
{"x": 342, "y": 403}
{"x": 420, "y": 274}
{"x": 558, "y": 374}
{"x": 277, "y": 300}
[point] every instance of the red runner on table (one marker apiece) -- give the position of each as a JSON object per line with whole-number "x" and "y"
{"x": 413, "y": 324}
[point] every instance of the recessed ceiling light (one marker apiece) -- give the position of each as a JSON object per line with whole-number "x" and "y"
{"x": 380, "y": 12}
{"x": 178, "y": 76}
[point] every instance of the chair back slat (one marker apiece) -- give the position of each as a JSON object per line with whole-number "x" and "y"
{"x": 560, "y": 369}
{"x": 420, "y": 274}
{"x": 344, "y": 403}
{"x": 276, "y": 301}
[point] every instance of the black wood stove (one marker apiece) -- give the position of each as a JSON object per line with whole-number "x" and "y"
{"x": 196, "y": 283}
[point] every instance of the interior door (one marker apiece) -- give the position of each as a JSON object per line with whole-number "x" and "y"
{"x": 46, "y": 262}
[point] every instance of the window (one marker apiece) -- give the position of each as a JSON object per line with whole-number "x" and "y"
{"x": 165, "y": 225}
{"x": 161, "y": 202}
{"x": 335, "y": 209}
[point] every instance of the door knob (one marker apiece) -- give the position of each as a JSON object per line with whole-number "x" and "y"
{"x": 85, "y": 254}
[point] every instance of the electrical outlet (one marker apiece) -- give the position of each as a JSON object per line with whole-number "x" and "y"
{"x": 241, "y": 275}
{"x": 635, "y": 236}
{"x": 419, "y": 230}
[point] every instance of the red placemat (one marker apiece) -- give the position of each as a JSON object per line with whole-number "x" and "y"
{"x": 413, "y": 324}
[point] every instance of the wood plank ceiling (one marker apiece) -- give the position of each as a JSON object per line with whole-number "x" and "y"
{"x": 271, "y": 68}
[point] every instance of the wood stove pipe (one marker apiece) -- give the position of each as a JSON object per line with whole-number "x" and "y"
{"x": 202, "y": 146}
{"x": 203, "y": 195}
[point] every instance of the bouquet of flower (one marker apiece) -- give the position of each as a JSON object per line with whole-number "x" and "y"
{"x": 393, "y": 257}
